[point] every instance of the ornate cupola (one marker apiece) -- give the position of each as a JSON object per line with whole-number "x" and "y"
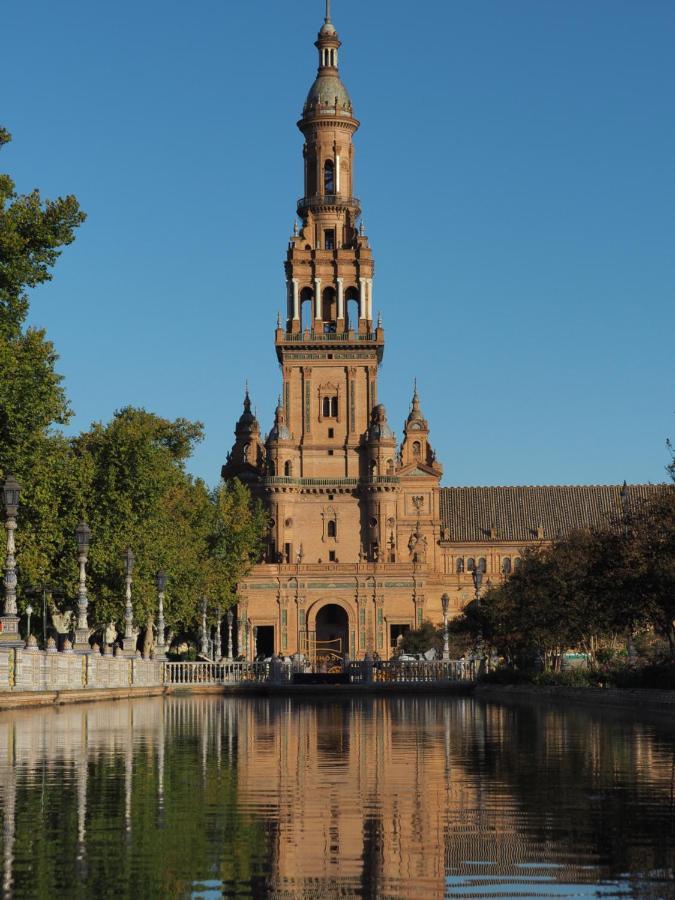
{"x": 416, "y": 449}
{"x": 247, "y": 457}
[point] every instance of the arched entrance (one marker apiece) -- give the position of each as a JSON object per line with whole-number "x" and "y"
{"x": 332, "y": 631}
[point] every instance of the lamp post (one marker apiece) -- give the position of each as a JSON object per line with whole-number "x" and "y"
{"x": 445, "y": 603}
{"x": 230, "y": 617}
{"x": 255, "y": 642}
{"x": 83, "y": 535}
{"x": 205, "y": 644}
{"x": 477, "y": 576}
{"x": 160, "y": 652}
{"x": 29, "y": 613}
{"x": 9, "y": 636}
{"x": 247, "y": 639}
{"x": 129, "y": 642}
{"x": 218, "y": 647}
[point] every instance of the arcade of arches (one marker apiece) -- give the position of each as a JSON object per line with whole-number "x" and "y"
{"x": 354, "y": 514}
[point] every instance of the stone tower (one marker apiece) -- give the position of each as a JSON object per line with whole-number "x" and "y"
{"x": 329, "y": 471}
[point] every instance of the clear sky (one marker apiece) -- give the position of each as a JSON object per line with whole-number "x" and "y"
{"x": 516, "y": 166}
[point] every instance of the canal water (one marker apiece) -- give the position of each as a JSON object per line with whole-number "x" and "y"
{"x": 367, "y": 797}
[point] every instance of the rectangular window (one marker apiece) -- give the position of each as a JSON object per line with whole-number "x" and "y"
{"x": 284, "y": 641}
{"x": 362, "y": 617}
{"x": 329, "y": 239}
{"x": 331, "y": 432}
{"x": 331, "y": 452}
{"x": 397, "y": 633}
{"x": 362, "y": 640}
{"x": 301, "y": 618}
{"x": 288, "y": 553}
{"x": 284, "y": 617}
{"x": 380, "y": 617}
{"x": 331, "y": 555}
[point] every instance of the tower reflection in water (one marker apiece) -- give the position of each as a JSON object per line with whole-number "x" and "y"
{"x": 367, "y": 797}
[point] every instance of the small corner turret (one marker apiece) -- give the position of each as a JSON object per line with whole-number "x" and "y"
{"x": 246, "y": 460}
{"x": 416, "y": 451}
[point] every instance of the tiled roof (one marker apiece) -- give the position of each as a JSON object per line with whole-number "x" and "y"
{"x": 516, "y": 513}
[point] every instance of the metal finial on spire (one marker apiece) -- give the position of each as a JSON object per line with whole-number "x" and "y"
{"x": 327, "y": 10}
{"x": 279, "y": 319}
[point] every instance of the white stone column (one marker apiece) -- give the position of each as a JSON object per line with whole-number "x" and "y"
{"x": 340, "y": 298}
{"x": 370, "y": 299}
{"x": 317, "y": 299}
{"x": 337, "y": 173}
{"x": 296, "y": 304}
{"x": 363, "y": 300}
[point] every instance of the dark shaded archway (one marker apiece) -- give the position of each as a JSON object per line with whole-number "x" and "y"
{"x": 332, "y": 630}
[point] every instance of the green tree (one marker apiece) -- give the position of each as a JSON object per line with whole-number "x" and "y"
{"x": 235, "y": 541}
{"x": 33, "y": 233}
{"x": 138, "y": 494}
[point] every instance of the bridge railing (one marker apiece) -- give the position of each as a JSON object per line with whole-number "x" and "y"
{"x": 279, "y": 671}
{"x": 413, "y": 671}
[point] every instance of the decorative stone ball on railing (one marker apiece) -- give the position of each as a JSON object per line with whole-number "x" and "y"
{"x": 51, "y": 645}
{"x": 67, "y": 646}
{"x": 31, "y": 644}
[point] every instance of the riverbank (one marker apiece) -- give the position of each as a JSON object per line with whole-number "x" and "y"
{"x": 616, "y": 698}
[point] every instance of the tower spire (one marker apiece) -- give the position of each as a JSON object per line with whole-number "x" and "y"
{"x": 327, "y": 19}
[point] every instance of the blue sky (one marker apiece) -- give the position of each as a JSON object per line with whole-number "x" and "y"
{"x": 515, "y": 166}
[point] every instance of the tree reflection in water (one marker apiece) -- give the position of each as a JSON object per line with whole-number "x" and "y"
{"x": 372, "y": 797}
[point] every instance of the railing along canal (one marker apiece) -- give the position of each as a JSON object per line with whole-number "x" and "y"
{"x": 280, "y": 671}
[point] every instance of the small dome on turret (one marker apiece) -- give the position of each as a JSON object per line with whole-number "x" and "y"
{"x": 280, "y": 431}
{"x": 379, "y": 427}
{"x": 416, "y": 414}
{"x": 247, "y": 420}
{"x": 328, "y": 90}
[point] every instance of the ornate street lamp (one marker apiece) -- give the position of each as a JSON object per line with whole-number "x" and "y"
{"x": 445, "y": 603}
{"x": 477, "y": 576}
{"x": 162, "y": 579}
{"x": 129, "y": 644}
{"x": 230, "y": 618}
{"x": 82, "y": 535}
{"x": 205, "y": 640}
{"x": 218, "y": 647}
{"x": 9, "y": 636}
{"x": 29, "y": 613}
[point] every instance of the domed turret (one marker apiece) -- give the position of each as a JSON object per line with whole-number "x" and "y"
{"x": 280, "y": 431}
{"x": 248, "y": 454}
{"x": 379, "y": 429}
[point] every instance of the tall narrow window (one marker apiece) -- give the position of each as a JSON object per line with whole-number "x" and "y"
{"x": 332, "y": 528}
{"x": 288, "y": 468}
{"x": 470, "y": 564}
{"x": 506, "y": 566}
{"x": 334, "y": 407}
{"x": 482, "y": 564}
{"x": 329, "y": 177}
{"x": 326, "y": 407}
{"x": 459, "y": 566}
{"x": 329, "y": 239}
{"x": 417, "y": 448}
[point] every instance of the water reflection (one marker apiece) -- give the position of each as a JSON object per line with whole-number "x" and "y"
{"x": 378, "y": 797}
